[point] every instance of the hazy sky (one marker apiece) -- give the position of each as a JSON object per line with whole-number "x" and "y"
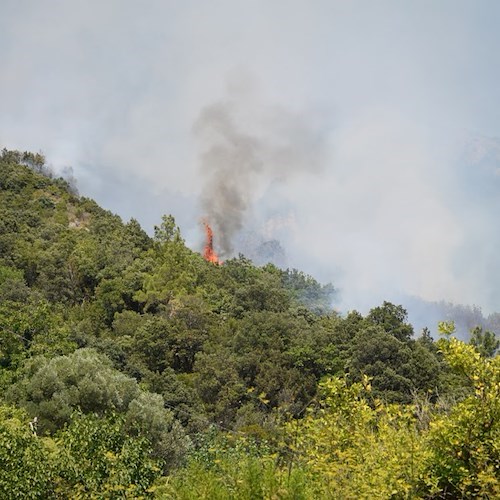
{"x": 364, "y": 135}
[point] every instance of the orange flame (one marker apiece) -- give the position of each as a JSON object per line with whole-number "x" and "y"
{"x": 209, "y": 253}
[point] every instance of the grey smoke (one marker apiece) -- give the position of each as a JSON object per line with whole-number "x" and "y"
{"x": 247, "y": 145}
{"x": 427, "y": 314}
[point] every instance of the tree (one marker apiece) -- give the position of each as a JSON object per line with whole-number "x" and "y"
{"x": 485, "y": 342}
{"x": 356, "y": 450}
{"x": 97, "y": 458}
{"x": 51, "y": 389}
{"x": 308, "y": 292}
{"x": 384, "y": 359}
{"x": 465, "y": 459}
{"x": 26, "y": 467}
{"x": 168, "y": 231}
{"x": 218, "y": 384}
{"x": 146, "y": 416}
{"x": 393, "y": 319}
{"x": 174, "y": 272}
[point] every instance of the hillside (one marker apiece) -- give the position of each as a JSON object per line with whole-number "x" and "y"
{"x": 130, "y": 366}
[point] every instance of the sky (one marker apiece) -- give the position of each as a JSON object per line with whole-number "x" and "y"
{"x": 362, "y": 135}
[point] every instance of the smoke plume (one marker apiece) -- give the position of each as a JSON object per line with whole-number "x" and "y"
{"x": 245, "y": 146}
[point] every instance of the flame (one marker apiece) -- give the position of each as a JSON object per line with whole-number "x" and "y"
{"x": 209, "y": 253}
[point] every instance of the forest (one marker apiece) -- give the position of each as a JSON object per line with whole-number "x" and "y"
{"x": 131, "y": 367}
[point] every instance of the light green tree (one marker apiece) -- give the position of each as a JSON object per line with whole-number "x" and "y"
{"x": 465, "y": 443}
{"x": 356, "y": 450}
{"x": 97, "y": 458}
{"x": 26, "y": 467}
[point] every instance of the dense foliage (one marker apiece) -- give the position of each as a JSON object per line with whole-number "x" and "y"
{"x": 130, "y": 367}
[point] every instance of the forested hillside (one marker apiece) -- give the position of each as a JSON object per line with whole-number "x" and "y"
{"x": 130, "y": 367}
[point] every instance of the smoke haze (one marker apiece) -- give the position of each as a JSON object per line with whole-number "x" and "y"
{"x": 362, "y": 136}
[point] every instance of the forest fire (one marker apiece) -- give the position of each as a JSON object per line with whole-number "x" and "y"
{"x": 209, "y": 253}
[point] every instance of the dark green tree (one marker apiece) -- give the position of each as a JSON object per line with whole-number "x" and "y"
{"x": 484, "y": 341}
{"x": 392, "y": 319}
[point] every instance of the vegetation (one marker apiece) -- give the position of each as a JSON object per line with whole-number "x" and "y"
{"x": 132, "y": 368}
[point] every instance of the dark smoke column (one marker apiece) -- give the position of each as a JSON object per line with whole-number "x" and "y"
{"x": 244, "y": 147}
{"x": 229, "y": 166}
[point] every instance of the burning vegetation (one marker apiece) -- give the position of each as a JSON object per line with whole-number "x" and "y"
{"x": 209, "y": 253}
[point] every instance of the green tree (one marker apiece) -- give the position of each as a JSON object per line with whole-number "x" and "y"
{"x": 385, "y": 359}
{"x": 97, "y": 458}
{"x": 355, "y": 450}
{"x": 308, "y": 292}
{"x": 26, "y": 466}
{"x": 393, "y": 320}
{"x": 485, "y": 342}
{"x": 173, "y": 272}
{"x": 465, "y": 459}
{"x": 51, "y": 389}
{"x": 146, "y": 416}
{"x": 168, "y": 231}
{"x": 219, "y": 386}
